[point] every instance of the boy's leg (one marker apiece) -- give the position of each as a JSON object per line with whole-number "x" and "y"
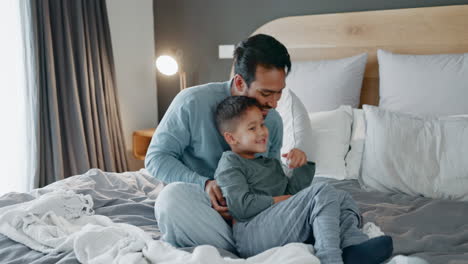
{"x": 350, "y": 221}
{"x": 357, "y": 247}
{"x": 326, "y": 228}
{"x": 292, "y": 221}
{"x": 186, "y": 218}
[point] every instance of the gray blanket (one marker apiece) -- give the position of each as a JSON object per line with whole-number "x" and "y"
{"x": 435, "y": 230}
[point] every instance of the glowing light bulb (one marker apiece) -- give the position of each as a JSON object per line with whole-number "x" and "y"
{"x": 167, "y": 65}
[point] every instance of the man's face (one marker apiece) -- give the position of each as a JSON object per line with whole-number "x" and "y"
{"x": 267, "y": 87}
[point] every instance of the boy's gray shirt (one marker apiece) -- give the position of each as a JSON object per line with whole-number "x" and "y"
{"x": 248, "y": 185}
{"x": 187, "y": 145}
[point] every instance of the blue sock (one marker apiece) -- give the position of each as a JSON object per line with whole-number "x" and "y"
{"x": 372, "y": 251}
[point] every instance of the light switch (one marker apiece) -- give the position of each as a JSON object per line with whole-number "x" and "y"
{"x": 225, "y": 51}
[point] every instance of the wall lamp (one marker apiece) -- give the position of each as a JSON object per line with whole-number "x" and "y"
{"x": 170, "y": 65}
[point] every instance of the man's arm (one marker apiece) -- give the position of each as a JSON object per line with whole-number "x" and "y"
{"x": 276, "y": 135}
{"x": 169, "y": 142}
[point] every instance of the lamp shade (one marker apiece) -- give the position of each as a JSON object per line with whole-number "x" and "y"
{"x": 167, "y": 65}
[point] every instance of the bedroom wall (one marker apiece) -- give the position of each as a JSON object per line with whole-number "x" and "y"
{"x": 132, "y": 34}
{"x": 198, "y": 27}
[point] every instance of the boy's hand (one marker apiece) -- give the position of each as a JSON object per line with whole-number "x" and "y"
{"x": 217, "y": 199}
{"x": 296, "y": 158}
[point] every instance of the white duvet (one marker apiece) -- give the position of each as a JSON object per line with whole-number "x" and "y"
{"x": 64, "y": 221}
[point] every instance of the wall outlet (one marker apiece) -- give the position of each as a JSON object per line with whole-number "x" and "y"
{"x": 225, "y": 51}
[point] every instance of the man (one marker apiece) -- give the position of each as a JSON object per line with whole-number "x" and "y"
{"x": 187, "y": 145}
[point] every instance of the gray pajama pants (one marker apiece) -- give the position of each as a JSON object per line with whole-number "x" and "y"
{"x": 186, "y": 218}
{"x": 319, "y": 212}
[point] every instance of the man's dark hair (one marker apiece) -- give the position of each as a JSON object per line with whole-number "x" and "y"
{"x": 263, "y": 50}
{"x": 231, "y": 109}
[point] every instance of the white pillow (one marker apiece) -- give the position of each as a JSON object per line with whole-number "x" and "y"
{"x": 353, "y": 158}
{"x": 325, "y": 85}
{"x": 424, "y": 84}
{"x": 296, "y": 124}
{"x": 416, "y": 155}
{"x": 331, "y": 132}
{"x": 323, "y": 136}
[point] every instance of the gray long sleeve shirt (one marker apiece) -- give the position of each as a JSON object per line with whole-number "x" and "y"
{"x": 249, "y": 185}
{"x": 187, "y": 145}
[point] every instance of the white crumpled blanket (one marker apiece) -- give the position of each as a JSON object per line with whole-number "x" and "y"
{"x": 64, "y": 221}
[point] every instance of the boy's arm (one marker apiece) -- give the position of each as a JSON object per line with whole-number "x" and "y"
{"x": 242, "y": 203}
{"x": 168, "y": 144}
{"x": 301, "y": 178}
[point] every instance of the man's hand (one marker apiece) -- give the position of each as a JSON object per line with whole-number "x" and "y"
{"x": 217, "y": 199}
{"x": 277, "y": 199}
{"x": 296, "y": 158}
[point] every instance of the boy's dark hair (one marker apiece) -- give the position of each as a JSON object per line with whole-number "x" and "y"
{"x": 263, "y": 50}
{"x": 231, "y": 109}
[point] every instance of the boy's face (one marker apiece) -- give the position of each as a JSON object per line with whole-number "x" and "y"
{"x": 250, "y": 135}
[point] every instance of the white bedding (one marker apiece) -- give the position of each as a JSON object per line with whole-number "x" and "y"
{"x": 323, "y": 136}
{"x": 424, "y": 84}
{"x": 416, "y": 155}
{"x": 61, "y": 220}
{"x": 324, "y": 85}
{"x": 64, "y": 221}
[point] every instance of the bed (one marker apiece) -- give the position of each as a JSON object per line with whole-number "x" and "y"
{"x": 433, "y": 229}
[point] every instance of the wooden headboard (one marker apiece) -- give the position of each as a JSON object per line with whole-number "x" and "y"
{"x": 428, "y": 30}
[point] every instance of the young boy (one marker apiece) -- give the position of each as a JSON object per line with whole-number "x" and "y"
{"x": 270, "y": 209}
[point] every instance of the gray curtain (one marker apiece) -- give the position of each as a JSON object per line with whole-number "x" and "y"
{"x": 79, "y": 120}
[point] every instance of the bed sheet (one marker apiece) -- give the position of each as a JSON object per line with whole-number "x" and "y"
{"x": 433, "y": 229}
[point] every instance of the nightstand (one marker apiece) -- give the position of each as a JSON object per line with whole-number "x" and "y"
{"x": 141, "y": 141}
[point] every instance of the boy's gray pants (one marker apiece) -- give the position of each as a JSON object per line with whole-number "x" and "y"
{"x": 319, "y": 212}
{"x": 186, "y": 219}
